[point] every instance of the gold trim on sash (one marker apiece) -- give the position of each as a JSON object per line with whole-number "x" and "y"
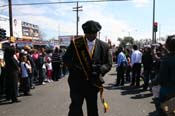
{"x": 92, "y": 51}
{"x": 83, "y": 56}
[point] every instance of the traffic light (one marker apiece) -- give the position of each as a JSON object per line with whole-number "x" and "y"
{"x": 155, "y": 25}
{"x": 2, "y": 34}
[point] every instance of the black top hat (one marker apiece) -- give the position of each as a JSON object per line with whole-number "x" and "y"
{"x": 91, "y": 27}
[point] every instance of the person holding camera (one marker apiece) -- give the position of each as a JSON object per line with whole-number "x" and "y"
{"x": 166, "y": 74}
{"x": 88, "y": 60}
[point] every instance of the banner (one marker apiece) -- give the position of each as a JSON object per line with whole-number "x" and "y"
{"x": 30, "y": 31}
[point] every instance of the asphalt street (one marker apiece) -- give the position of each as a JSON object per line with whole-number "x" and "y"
{"x": 53, "y": 99}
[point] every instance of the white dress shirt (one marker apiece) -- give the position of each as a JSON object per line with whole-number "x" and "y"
{"x": 90, "y": 45}
{"x": 136, "y": 57}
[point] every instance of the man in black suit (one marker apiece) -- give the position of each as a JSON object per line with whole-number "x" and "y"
{"x": 12, "y": 72}
{"x": 88, "y": 60}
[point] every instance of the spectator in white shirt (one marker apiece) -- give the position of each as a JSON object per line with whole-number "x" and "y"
{"x": 136, "y": 59}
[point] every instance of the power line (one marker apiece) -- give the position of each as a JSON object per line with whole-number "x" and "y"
{"x": 66, "y": 2}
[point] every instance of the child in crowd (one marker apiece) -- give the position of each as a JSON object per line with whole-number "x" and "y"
{"x": 49, "y": 69}
{"x": 25, "y": 70}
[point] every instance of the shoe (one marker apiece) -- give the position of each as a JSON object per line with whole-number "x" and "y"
{"x": 16, "y": 101}
{"x": 7, "y": 99}
{"x": 27, "y": 94}
{"x": 33, "y": 87}
{"x": 45, "y": 80}
{"x": 43, "y": 83}
{"x": 138, "y": 85}
{"x": 122, "y": 84}
{"x": 117, "y": 84}
{"x": 145, "y": 88}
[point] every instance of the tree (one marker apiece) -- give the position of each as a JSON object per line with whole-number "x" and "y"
{"x": 126, "y": 41}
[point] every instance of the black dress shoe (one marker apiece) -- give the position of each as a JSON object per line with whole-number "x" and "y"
{"x": 16, "y": 101}
{"x": 7, "y": 99}
{"x": 132, "y": 84}
{"x": 117, "y": 84}
{"x": 145, "y": 88}
{"x": 27, "y": 94}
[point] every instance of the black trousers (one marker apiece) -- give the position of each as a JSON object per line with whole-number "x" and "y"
{"x": 56, "y": 71}
{"x": 11, "y": 85}
{"x": 128, "y": 70}
{"x": 77, "y": 100}
{"x": 26, "y": 84}
{"x": 89, "y": 93}
{"x": 147, "y": 73}
{"x": 42, "y": 75}
{"x": 2, "y": 80}
{"x": 120, "y": 75}
{"x": 136, "y": 69}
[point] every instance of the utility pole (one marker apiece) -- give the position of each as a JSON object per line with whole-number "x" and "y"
{"x": 77, "y": 9}
{"x": 10, "y": 18}
{"x": 153, "y": 33}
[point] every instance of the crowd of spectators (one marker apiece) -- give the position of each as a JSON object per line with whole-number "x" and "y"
{"x": 153, "y": 65}
{"x": 23, "y": 69}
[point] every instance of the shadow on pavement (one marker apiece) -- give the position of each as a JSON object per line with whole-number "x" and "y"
{"x": 154, "y": 113}
{"x": 131, "y": 91}
{"x": 111, "y": 86}
{"x": 5, "y": 102}
{"x": 140, "y": 96}
{"x": 138, "y": 92}
{"x": 127, "y": 88}
{"x": 112, "y": 74}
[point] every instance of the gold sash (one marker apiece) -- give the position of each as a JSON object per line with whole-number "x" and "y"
{"x": 83, "y": 55}
{"x": 85, "y": 59}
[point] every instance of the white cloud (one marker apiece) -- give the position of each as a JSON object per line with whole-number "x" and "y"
{"x": 2, "y": 9}
{"x": 112, "y": 26}
{"x": 51, "y": 27}
{"x": 29, "y": 10}
{"x": 141, "y": 3}
{"x": 58, "y": 23}
{"x": 2, "y": 2}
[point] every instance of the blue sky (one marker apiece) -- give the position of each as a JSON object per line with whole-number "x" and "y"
{"x": 118, "y": 19}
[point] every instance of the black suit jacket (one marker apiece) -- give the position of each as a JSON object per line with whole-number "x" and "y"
{"x": 166, "y": 75}
{"x": 101, "y": 56}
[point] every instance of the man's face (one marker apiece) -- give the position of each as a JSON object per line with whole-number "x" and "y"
{"x": 91, "y": 36}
